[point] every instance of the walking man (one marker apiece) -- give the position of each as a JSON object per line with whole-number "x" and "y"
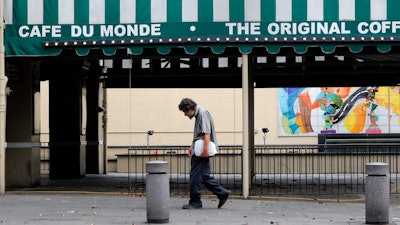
{"x": 200, "y": 172}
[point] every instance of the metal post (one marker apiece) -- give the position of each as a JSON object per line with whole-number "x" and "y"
{"x": 246, "y": 126}
{"x": 148, "y": 134}
{"x": 3, "y": 104}
{"x": 389, "y": 116}
{"x": 377, "y": 193}
{"x": 105, "y": 127}
{"x": 157, "y": 192}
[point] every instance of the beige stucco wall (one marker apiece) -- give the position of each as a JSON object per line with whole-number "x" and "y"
{"x": 131, "y": 113}
{"x": 138, "y": 110}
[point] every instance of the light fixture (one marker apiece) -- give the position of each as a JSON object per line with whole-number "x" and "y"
{"x": 148, "y": 134}
{"x": 265, "y": 131}
{"x": 100, "y": 109}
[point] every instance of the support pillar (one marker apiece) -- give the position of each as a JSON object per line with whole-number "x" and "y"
{"x": 3, "y": 83}
{"x": 67, "y": 119}
{"x": 23, "y": 134}
{"x": 94, "y": 131}
{"x": 248, "y": 125}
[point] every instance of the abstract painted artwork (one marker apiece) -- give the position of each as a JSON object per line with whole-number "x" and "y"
{"x": 310, "y": 111}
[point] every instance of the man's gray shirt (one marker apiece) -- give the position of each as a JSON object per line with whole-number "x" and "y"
{"x": 204, "y": 124}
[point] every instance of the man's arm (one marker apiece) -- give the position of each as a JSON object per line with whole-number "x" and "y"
{"x": 206, "y": 143}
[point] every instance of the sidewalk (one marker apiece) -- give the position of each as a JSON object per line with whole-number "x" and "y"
{"x": 45, "y": 208}
{"x": 104, "y": 200}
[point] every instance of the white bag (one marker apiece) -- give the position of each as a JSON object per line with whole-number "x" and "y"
{"x": 199, "y": 147}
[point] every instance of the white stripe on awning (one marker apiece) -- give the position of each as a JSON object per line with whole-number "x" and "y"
{"x": 221, "y": 10}
{"x": 8, "y": 9}
{"x": 252, "y": 10}
{"x": 284, "y": 10}
{"x": 65, "y": 7}
{"x": 347, "y": 10}
{"x": 97, "y": 11}
{"x": 127, "y": 11}
{"x": 35, "y": 12}
{"x": 190, "y": 11}
{"x": 378, "y": 9}
{"x": 158, "y": 11}
{"x": 315, "y": 10}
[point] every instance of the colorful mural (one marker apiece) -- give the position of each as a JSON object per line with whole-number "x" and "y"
{"x": 309, "y": 111}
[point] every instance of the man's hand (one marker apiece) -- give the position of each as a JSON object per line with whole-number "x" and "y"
{"x": 204, "y": 154}
{"x": 190, "y": 151}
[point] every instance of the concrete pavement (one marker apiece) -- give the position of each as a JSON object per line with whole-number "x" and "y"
{"x": 67, "y": 208}
{"x": 104, "y": 200}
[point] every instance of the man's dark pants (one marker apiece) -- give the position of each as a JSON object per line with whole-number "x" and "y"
{"x": 200, "y": 173}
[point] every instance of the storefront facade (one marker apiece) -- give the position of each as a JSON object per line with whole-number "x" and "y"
{"x": 271, "y": 43}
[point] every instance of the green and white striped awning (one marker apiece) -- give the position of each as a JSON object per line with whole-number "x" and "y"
{"x": 45, "y": 27}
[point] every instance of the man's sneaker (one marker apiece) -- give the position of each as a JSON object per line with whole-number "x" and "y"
{"x": 223, "y": 199}
{"x": 189, "y": 206}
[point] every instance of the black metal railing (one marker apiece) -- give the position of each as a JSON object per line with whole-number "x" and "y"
{"x": 320, "y": 169}
{"x": 312, "y": 170}
{"x": 226, "y": 167}
{"x": 278, "y": 169}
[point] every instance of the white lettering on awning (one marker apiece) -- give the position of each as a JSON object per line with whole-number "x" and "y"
{"x": 305, "y": 28}
{"x": 243, "y": 28}
{"x": 375, "y": 28}
{"x": 86, "y": 31}
{"x": 135, "y": 30}
{"x": 379, "y": 27}
{"x": 40, "y": 31}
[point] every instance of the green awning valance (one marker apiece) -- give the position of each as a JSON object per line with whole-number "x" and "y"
{"x": 43, "y": 28}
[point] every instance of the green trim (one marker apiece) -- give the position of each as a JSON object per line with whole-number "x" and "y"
{"x": 268, "y": 12}
{"x": 363, "y": 10}
{"x": 163, "y": 50}
{"x": 236, "y": 14}
{"x": 112, "y": 11}
{"x": 143, "y": 11}
{"x": 299, "y": 10}
{"x": 246, "y": 49}
{"x": 50, "y": 14}
{"x": 82, "y": 51}
{"x": 109, "y": 51}
{"x": 384, "y": 48}
{"x": 81, "y": 11}
{"x": 273, "y": 48}
{"x": 393, "y": 7}
{"x": 205, "y": 10}
{"x": 191, "y": 49}
{"x": 20, "y": 12}
{"x": 136, "y": 50}
{"x": 331, "y": 10}
{"x": 174, "y": 11}
{"x": 356, "y": 48}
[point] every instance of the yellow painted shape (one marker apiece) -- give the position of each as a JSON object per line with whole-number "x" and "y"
{"x": 299, "y": 122}
{"x": 355, "y": 121}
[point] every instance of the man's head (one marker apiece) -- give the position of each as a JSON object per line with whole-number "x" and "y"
{"x": 188, "y": 107}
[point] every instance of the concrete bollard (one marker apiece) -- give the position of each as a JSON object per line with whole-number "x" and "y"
{"x": 157, "y": 192}
{"x": 377, "y": 193}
